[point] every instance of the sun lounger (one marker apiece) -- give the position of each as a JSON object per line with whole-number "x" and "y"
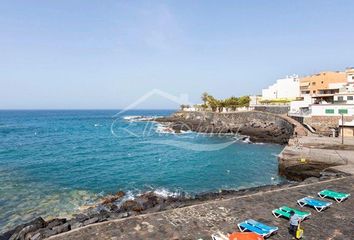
{"x": 214, "y": 237}
{"x": 284, "y": 211}
{"x": 245, "y": 236}
{"x": 319, "y": 205}
{"x": 257, "y": 227}
{"x": 218, "y": 237}
{"x": 338, "y": 196}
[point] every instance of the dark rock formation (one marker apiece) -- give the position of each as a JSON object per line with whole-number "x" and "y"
{"x": 260, "y": 126}
{"x": 20, "y": 232}
{"x": 131, "y": 205}
{"x": 61, "y": 228}
{"x": 55, "y": 222}
{"x": 113, "y": 198}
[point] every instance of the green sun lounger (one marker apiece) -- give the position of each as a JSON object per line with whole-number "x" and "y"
{"x": 284, "y": 211}
{"x": 338, "y": 196}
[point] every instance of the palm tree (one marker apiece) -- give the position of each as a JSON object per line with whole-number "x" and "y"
{"x": 221, "y": 104}
{"x": 213, "y": 103}
{"x": 244, "y": 101}
{"x": 205, "y": 96}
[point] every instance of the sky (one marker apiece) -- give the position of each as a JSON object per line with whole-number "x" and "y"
{"x": 79, "y": 54}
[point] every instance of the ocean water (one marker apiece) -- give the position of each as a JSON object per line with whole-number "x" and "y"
{"x": 54, "y": 162}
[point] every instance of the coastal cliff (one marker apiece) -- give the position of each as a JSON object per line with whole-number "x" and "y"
{"x": 259, "y": 126}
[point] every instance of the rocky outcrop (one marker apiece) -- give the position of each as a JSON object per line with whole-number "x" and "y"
{"x": 260, "y": 126}
{"x": 112, "y": 198}
{"x": 303, "y": 158}
{"x": 111, "y": 207}
{"x": 24, "y": 231}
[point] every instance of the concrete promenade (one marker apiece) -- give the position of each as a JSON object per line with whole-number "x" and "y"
{"x": 200, "y": 221}
{"x": 319, "y": 154}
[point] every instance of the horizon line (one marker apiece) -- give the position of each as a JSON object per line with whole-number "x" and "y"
{"x": 77, "y": 109}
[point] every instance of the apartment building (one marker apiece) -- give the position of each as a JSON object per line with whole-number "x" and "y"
{"x": 284, "y": 88}
{"x": 319, "y": 84}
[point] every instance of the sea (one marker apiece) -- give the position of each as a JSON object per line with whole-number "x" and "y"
{"x": 55, "y": 162}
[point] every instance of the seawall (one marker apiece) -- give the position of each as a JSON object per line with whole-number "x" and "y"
{"x": 313, "y": 156}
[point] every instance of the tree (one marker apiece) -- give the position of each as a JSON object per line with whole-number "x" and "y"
{"x": 232, "y": 103}
{"x": 205, "y": 96}
{"x": 244, "y": 101}
{"x": 212, "y": 103}
{"x": 221, "y": 104}
{"x": 183, "y": 106}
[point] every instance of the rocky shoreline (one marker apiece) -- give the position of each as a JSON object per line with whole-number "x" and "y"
{"x": 111, "y": 208}
{"x": 259, "y": 126}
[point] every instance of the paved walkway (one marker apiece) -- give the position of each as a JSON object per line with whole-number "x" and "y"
{"x": 200, "y": 221}
{"x": 299, "y": 129}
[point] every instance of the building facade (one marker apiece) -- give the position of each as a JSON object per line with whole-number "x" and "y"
{"x": 332, "y": 110}
{"x": 319, "y": 84}
{"x": 285, "y": 88}
{"x": 350, "y": 74}
{"x": 346, "y": 128}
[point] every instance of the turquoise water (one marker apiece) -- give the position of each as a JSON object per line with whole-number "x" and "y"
{"x": 54, "y": 162}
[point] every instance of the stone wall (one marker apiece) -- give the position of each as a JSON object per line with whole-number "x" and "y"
{"x": 324, "y": 124}
{"x": 273, "y": 109}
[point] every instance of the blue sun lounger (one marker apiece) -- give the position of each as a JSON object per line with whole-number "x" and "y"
{"x": 257, "y": 227}
{"x": 315, "y": 203}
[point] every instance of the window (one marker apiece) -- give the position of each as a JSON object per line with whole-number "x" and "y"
{"x": 343, "y": 111}
{"x": 313, "y": 83}
{"x": 314, "y": 91}
{"x": 350, "y": 98}
{"x": 329, "y": 111}
{"x": 340, "y": 99}
{"x": 322, "y": 82}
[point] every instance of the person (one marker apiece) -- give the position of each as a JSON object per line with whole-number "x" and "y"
{"x": 294, "y": 223}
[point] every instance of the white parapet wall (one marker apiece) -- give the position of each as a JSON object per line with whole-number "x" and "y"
{"x": 332, "y": 109}
{"x": 297, "y": 107}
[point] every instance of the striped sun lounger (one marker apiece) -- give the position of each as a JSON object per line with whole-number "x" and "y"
{"x": 284, "y": 211}
{"x": 257, "y": 227}
{"x": 338, "y": 196}
{"x": 319, "y": 205}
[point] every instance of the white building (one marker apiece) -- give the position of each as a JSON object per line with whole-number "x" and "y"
{"x": 337, "y": 99}
{"x": 285, "y": 88}
{"x": 301, "y": 107}
{"x": 344, "y": 98}
{"x": 332, "y": 109}
{"x": 350, "y": 75}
